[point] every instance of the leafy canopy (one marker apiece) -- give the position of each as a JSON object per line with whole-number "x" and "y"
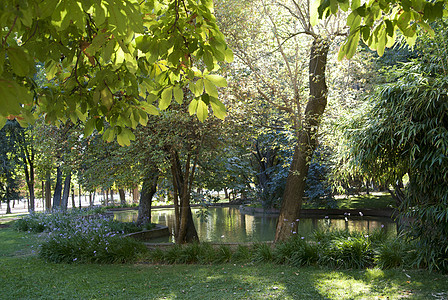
{"x": 376, "y": 22}
{"x": 108, "y": 61}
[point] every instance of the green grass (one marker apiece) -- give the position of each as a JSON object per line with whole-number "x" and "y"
{"x": 24, "y": 276}
{"x": 375, "y": 201}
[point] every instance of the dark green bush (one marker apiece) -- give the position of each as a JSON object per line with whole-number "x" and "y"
{"x": 393, "y": 253}
{"x": 296, "y": 252}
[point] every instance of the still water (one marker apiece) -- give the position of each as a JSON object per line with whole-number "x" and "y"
{"x": 228, "y": 225}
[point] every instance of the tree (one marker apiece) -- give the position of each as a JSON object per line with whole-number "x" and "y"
{"x": 403, "y": 131}
{"x": 110, "y": 60}
{"x": 9, "y": 162}
{"x": 376, "y": 22}
{"x": 286, "y": 22}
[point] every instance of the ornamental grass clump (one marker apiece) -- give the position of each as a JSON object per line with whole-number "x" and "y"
{"x": 296, "y": 251}
{"x": 345, "y": 250}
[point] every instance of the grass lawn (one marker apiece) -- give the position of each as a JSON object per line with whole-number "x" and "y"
{"x": 24, "y": 276}
{"x": 374, "y": 200}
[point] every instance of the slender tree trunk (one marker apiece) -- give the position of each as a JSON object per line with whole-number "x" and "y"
{"x": 48, "y": 192}
{"x": 149, "y": 188}
{"x": 306, "y": 144}
{"x": 66, "y": 192}
{"x": 122, "y": 196}
{"x": 58, "y": 189}
{"x": 112, "y": 197}
{"x": 135, "y": 195}
{"x": 73, "y": 198}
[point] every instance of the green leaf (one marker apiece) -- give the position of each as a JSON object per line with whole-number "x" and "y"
{"x": 178, "y": 94}
{"x": 106, "y": 98}
{"x": 217, "y": 80}
{"x": 208, "y": 60}
{"x": 202, "y": 110}
{"x": 165, "y": 98}
{"x": 109, "y": 135}
{"x": 149, "y": 109}
{"x": 20, "y": 61}
{"x": 192, "y": 107}
{"x": 210, "y": 89}
{"x": 89, "y": 127}
{"x": 219, "y": 110}
{"x": 228, "y": 55}
{"x": 98, "y": 41}
{"x": 123, "y": 139}
{"x": 2, "y": 121}
{"x": 197, "y": 88}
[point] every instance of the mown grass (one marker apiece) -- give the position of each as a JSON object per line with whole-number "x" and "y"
{"x": 374, "y": 201}
{"x": 24, "y": 276}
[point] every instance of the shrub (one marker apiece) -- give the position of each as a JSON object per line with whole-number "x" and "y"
{"x": 90, "y": 248}
{"x": 394, "y": 253}
{"x": 262, "y": 252}
{"x": 354, "y": 251}
{"x": 296, "y": 252}
{"x": 242, "y": 254}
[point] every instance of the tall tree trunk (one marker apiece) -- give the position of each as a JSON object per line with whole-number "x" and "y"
{"x": 306, "y": 144}
{"x": 122, "y": 197}
{"x": 66, "y": 192}
{"x": 73, "y": 198}
{"x": 135, "y": 195}
{"x": 48, "y": 192}
{"x": 149, "y": 188}
{"x": 112, "y": 197}
{"x": 182, "y": 180}
{"x": 57, "y": 189}
{"x": 8, "y": 206}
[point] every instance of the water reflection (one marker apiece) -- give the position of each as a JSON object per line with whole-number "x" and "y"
{"x": 227, "y": 224}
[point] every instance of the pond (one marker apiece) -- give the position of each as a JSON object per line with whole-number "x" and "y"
{"x": 228, "y": 225}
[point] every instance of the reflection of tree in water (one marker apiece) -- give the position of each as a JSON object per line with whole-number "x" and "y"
{"x": 227, "y": 224}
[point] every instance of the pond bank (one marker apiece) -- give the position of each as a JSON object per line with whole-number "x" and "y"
{"x": 307, "y": 213}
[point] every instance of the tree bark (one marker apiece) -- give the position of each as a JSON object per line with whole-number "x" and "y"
{"x": 58, "y": 189}
{"x": 122, "y": 197}
{"x": 306, "y": 143}
{"x": 48, "y": 192}
{"x": 186, "y": 230}
{"x": 66, "y": 192}
{"x": 149, "y": 188}
{"x": 112, "y": 197}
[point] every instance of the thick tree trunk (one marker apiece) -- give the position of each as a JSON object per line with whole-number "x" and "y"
{"x": 58, "y": 189}
{"x": 122, "y": 197}
{"x": 8, "y": 206}
{"x": 306, "y": 143}
{"x": 66, "y": 192}
{"x": 186, "y": 230}
{"x": 149, "y": 188}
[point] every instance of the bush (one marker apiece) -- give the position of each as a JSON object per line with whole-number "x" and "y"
{"x": 262, "y": 252}
{"x": 296, "y": 252}
{"x": 394, "y": 253}
{"x": 90, "y": 248}
{"x": 344, "y": 249}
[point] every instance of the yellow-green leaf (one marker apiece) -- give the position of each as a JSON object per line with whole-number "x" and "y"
{"x": 219, "y": 110}
{"x": 202, "y": 111}
{"x": 165, "y": 98}
{"x": 178, "y": 94}
{"x": 210, "y": 89}
{"x": 217, "y": 80}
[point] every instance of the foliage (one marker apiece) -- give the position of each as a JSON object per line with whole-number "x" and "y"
{"x": 9, "y": 162}
{"x": 319, "y": 191}
{"x": 109, "y": 61}
{"x": 395, "y": 253}
{"x": 63, "y": 221}
{"x": 377, "y": 23}
{"x": 297, "y": 251}
{"x": 404, "y": 131}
